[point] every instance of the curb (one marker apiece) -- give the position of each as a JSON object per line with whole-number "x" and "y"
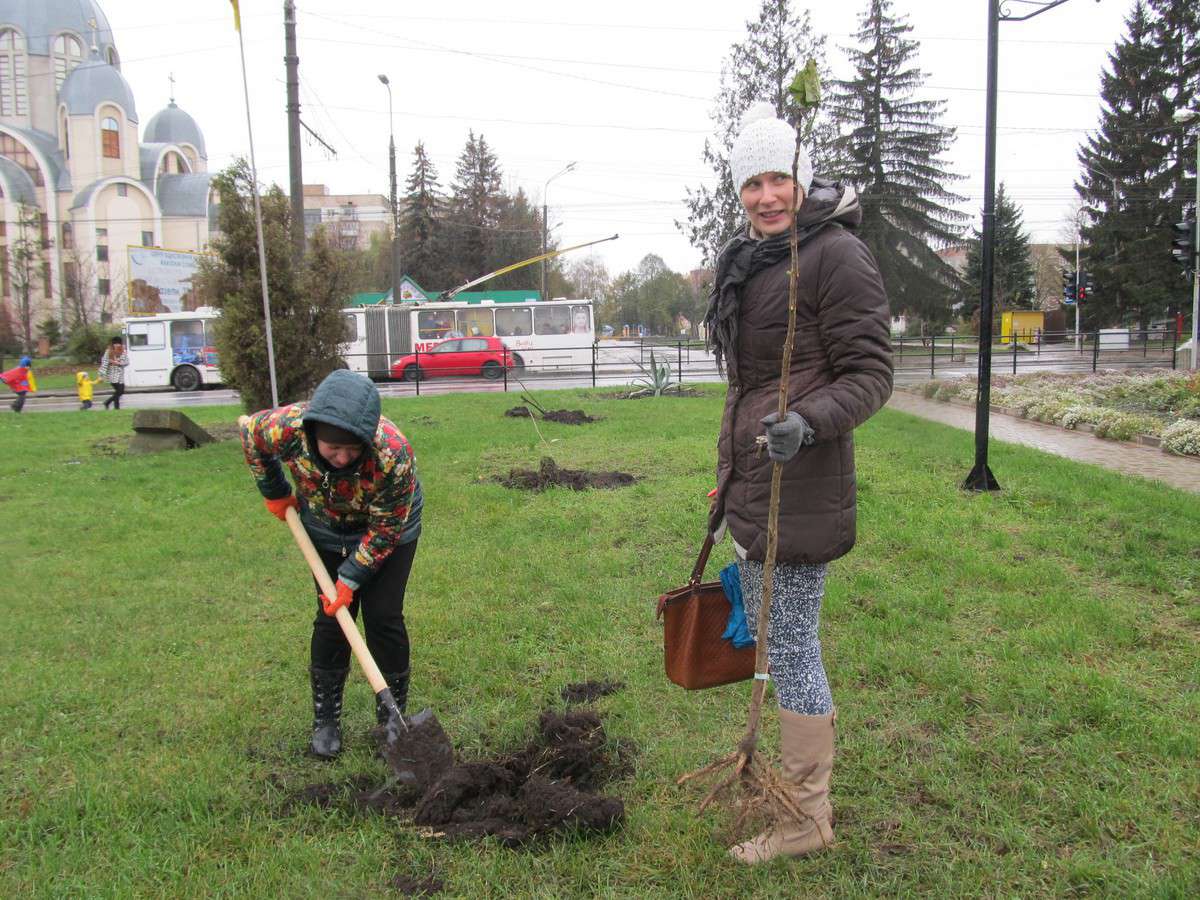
{"x": 1141, "y": 440}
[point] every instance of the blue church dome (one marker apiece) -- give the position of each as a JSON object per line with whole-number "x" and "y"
{"x": 93, "y": 82}
{"x": 173, "y": 126}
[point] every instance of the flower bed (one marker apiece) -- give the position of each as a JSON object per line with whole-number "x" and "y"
{"x": 1116, "y": 404}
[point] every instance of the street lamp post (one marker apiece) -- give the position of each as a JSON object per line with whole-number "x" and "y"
{"x": 980, "y": 477}
{"x": 545, "y": 226}
{"x": 395, "y": 207}
{"x": 1183, "y": 116}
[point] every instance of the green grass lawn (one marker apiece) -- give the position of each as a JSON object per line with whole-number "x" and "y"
{"x": 1017, "y": 675}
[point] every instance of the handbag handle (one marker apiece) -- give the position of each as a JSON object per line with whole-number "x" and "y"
{"x": 705, "y": 549}
{"x": 697, "y": 574}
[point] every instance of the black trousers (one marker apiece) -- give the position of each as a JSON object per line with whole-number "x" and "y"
{"x": 19, "y": 403}
{"x": 115, "y": 399}
{"x": 382, "y": 603}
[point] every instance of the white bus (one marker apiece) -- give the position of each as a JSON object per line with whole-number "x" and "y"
{"x": 175, "y": 349}
{"x": 178, "y": 349}
{"x": 543, "y": 335}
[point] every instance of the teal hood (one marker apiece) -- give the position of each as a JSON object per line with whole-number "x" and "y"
{"x": 347, "y": 400}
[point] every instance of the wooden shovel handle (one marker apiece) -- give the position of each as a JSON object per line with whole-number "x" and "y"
{"x": 357, "y": 644}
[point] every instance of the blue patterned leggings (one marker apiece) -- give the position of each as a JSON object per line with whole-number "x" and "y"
{"x": 793, "y": 648}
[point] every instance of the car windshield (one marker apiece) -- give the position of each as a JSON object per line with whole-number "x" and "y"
{"x": 447, "y": 347}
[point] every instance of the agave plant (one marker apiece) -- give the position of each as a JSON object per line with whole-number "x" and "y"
{"x": 655, "y": 379}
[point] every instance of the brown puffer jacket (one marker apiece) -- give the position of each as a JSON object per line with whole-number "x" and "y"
{"x": 841, "y": 374}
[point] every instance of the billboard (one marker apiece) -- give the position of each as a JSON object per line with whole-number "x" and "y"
{"x": 160, "y": 281}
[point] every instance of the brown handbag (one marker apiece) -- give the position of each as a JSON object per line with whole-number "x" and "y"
{"x": 694, "y": 617}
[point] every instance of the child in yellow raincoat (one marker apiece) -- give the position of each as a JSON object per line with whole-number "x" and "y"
{"x": 84, "y": 385}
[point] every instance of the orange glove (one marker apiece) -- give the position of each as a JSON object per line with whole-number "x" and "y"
{"x": 278, "y": 508}
{"x": 345, "y": 596}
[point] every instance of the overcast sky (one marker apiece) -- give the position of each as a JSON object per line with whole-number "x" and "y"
{"x": 624, "y": 89}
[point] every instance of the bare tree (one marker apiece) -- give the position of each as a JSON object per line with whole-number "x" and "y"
{"x": 25, "y": 269}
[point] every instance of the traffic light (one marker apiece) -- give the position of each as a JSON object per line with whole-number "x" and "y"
{"x": 1184, "y": 244}
{"x": 1089, "y": 286}
{"x": 1083, "y": 290}
{"x": 1068, "y": 280}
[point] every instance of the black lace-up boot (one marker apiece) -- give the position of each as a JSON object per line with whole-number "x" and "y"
{"x": 397, "y": 683}
{"x": 327, "y": 687}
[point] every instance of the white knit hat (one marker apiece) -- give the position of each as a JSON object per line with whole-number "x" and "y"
{"x": 766, "y": 144}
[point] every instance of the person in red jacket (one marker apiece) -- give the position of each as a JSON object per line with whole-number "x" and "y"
{"x": 21, "y": 380}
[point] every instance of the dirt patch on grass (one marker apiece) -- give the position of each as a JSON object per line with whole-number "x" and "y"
{"x": 561, "y": 416}
{"x": 589, "y": 691}
{"x": 418, "y": 886}
{"x": 550, "y": 475}
{"x": 552, "y": 785}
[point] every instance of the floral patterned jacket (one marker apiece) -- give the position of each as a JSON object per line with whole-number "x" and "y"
{"x": 362, "y": 511}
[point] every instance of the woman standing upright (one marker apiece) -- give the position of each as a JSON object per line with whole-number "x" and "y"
{"x": 840, "y": 374}
{"x": 112, "y": 368}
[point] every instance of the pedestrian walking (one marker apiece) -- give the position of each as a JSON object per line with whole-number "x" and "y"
{"x": 840, "y": 374}
{"x": 20, "y": 379}
{"x": 112, "y": 369}
{"x": 84, "y": 385}
{"x": 359, "y": 498}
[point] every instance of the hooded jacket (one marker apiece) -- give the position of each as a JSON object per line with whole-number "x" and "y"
{"x": 362, "y": 511}
{"x": 20, "y": 378}
{"x": 83, "y": 384}
{"x": 839, "y": 375}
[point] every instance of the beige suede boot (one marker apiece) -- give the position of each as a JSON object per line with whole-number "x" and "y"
{"x": 807, "y": 751}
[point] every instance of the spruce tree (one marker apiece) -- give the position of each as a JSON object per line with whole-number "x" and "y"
{"x": 518, "y": 236}
{"x": 759, "y": 68}
{"x": 306, "y": 304}
{"x": 1125, "y": 182}
{"x": 1177, "y": 35}
{"x": 1013, "y": 282}
{"x": 893, "y": 146}
{"x": 473, "y": 211}
{"x": 422, "y": 250}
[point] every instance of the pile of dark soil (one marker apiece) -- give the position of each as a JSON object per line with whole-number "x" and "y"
{"x": 551, "y": 785}
{"x": 550, "y": 475}
{"x": 548, "y": 786}
{"x": 561, "y": 416}
{"x": 587, "y": 691}
{"x": 568, "y": 416}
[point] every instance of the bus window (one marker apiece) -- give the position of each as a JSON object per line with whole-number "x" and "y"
{"x": 552, "y": 320}
{"x": 581, "y": 320}
{"x": 475, "y": 323}
{"x": 146, "y": 336}
{"x": 434, "y": 324}
{"x": 187, "y": 342}
{"x": 350, "y": 328}
{"x": 514, "y": 322}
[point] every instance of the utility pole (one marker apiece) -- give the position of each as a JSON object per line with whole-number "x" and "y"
{"x": 981, "y": 477}
{"x": 292, "y": 63}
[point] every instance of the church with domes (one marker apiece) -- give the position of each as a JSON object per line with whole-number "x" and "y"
{"x": 73, "y": 170}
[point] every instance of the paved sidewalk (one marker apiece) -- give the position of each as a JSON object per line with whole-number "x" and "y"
{"x": 1147, "y": 462}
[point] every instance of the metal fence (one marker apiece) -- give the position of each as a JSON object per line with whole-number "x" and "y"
{"x": 625, "y": 362}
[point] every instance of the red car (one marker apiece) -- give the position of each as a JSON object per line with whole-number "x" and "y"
{"x": 486, "y": 356}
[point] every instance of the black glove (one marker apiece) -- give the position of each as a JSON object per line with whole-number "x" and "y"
{"x": 785, "y": 438}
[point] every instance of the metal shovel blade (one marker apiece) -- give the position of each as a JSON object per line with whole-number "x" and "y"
{"x": 416, "y": 748}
